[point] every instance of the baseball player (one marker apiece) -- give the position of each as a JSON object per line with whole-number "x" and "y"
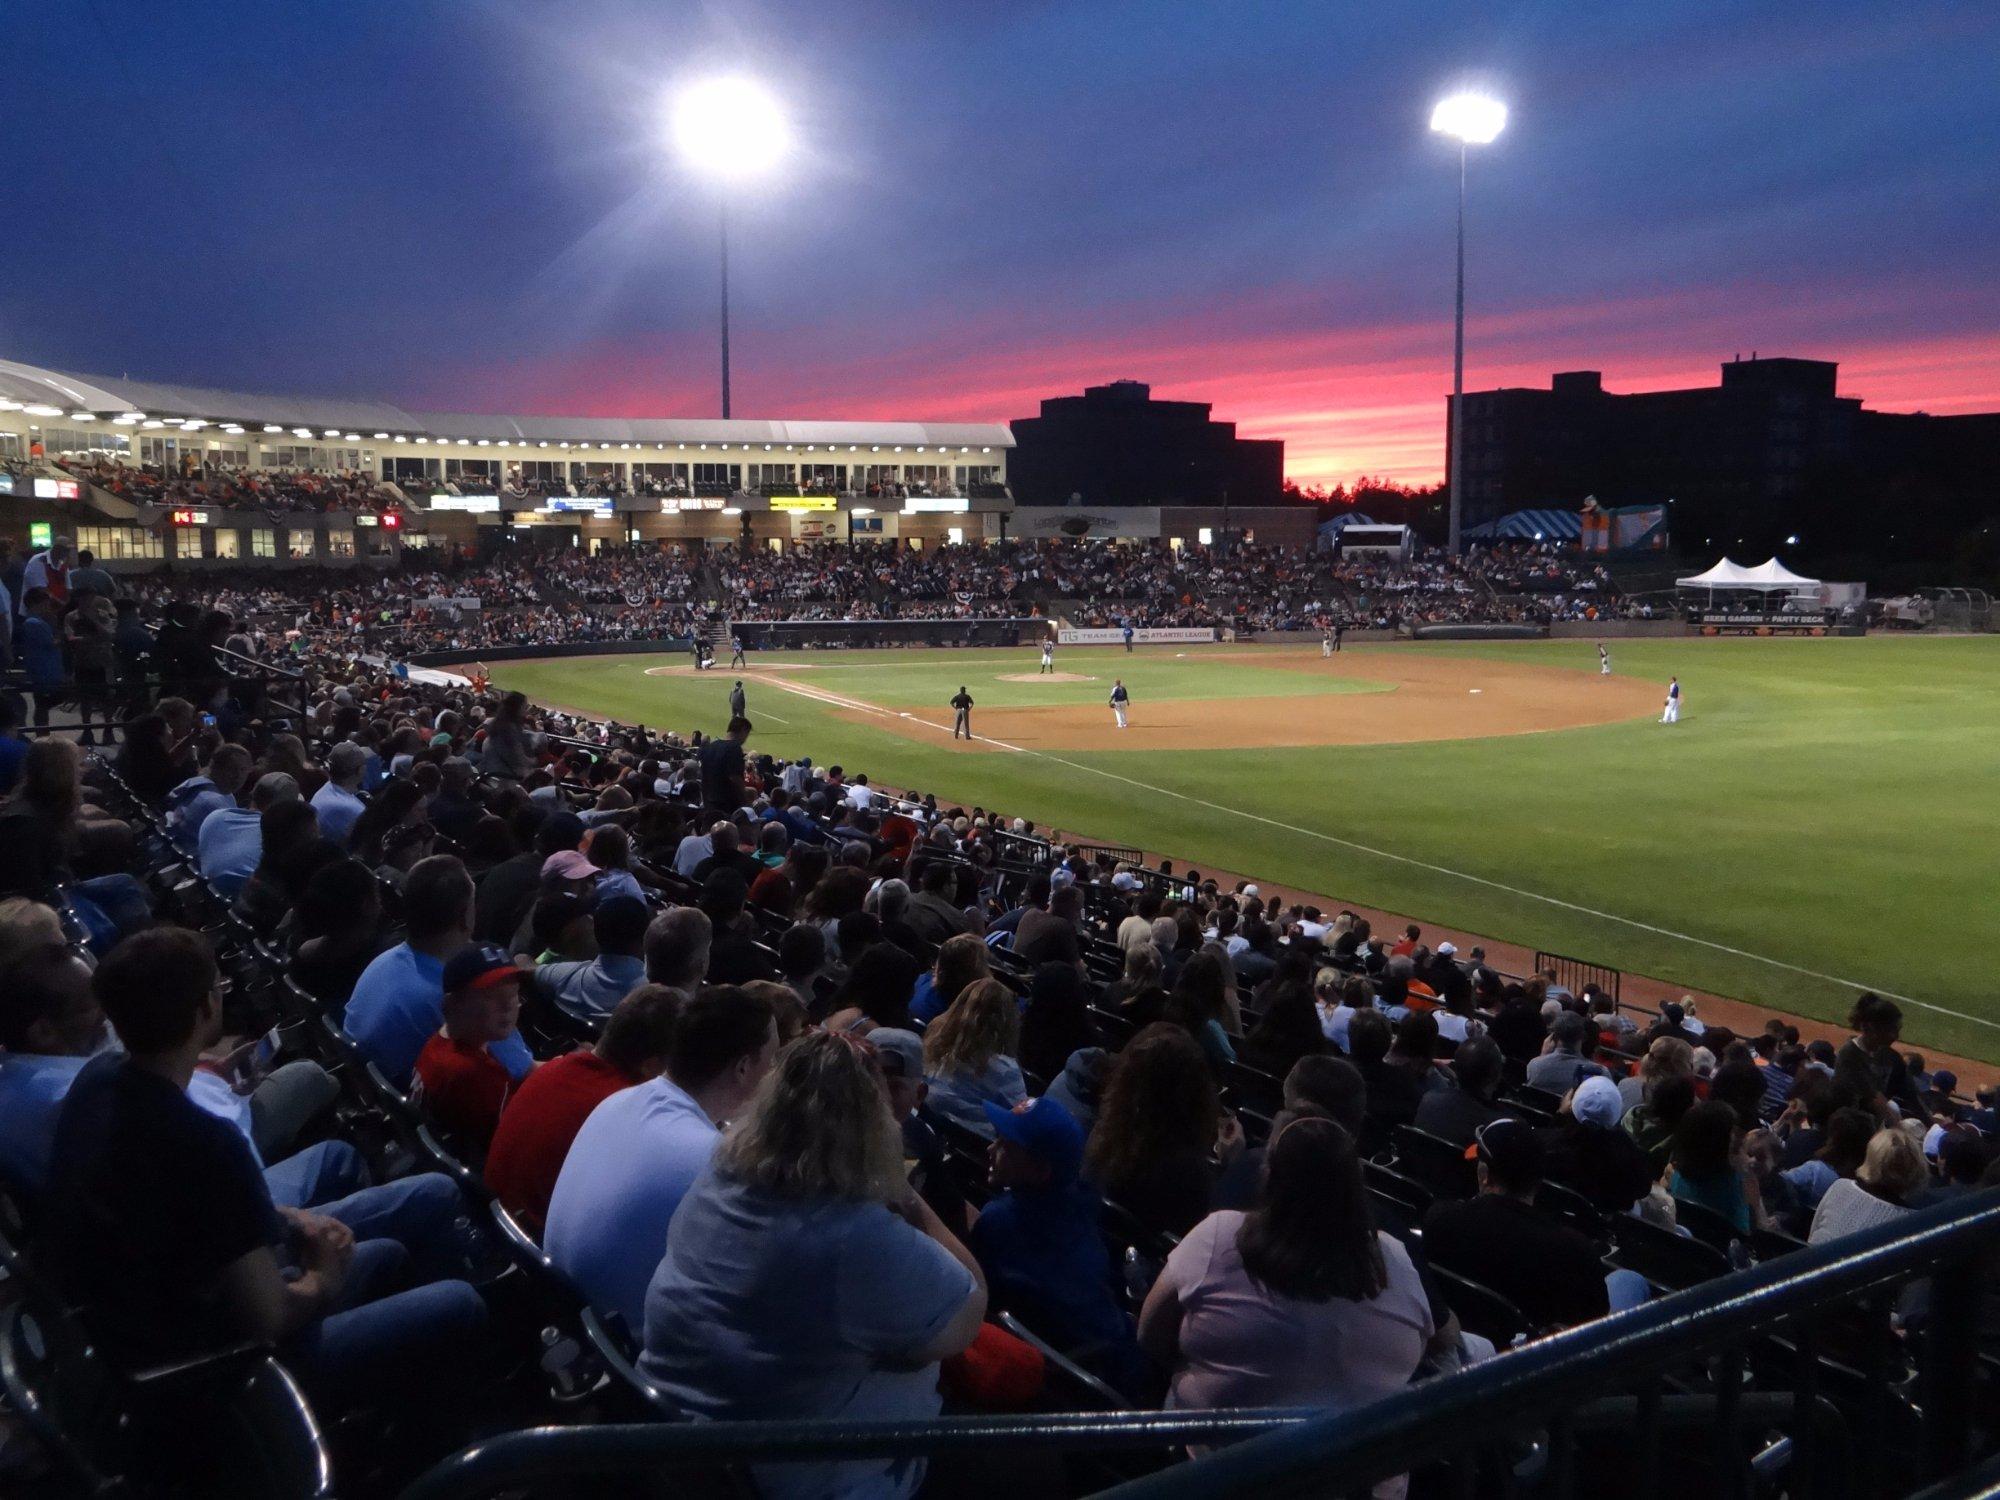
{"x": 1129, "y": 633}
{"x": 1326, "y": 642}
{"x": 961, "y": 713}
{"x": 1120, "y": 700}
{"x": 1339, "y": 629}
{"x": 1672, "y": 715}
{"x": 736, "y": 701}
{"x": 1048, "y": 655}
{"x": 736, "y": 652}
{"x": 1603, "y": 660}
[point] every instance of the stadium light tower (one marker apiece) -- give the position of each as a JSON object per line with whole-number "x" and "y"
{"x": 731, "y": 131}
{"x": 1472, "y": 120}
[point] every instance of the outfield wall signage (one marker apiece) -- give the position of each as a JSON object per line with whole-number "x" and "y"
{"x": 1175, "y": 635}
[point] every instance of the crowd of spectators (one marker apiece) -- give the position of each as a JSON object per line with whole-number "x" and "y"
{"x": 722, "y": 1032}
{"x": 276, "y": 492}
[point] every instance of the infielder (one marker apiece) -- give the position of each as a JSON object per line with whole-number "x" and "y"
{"x": 736, "y": 701}
{"x": 1603, "y": 660}
{"x": 961, "y": 712}
{"x": 1326, "y": 642}
{"x": 736, "y": 652}
{"x": 1048, "y": 656}
{"x": 1672, "y": 715}
{"x": 1120, "y": 699}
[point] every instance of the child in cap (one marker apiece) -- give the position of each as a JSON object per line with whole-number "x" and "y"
{"x": 461, "y": 1084}
{"x": 1038, "y": 1240}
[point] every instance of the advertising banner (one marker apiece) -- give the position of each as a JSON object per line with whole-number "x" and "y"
{"x": 1174, "y": 635}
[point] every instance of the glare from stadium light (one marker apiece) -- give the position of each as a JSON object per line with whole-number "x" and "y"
{"x": 862, "y": 510}
{"x": 1475, "y": 119}
{"x": 272, "y": 427}
{"x": 302, "y": 432}
{"x": 152, "y": 422}
{"x": 381, "y": 437}
{"x": 10, "y": 406}
{"x": 83, "y": 416}
{"x": 730, "y": 128}
{"x": 43, "y": 411}
{"x": 732, "y": 510}
{"x": 1791, "y": 541}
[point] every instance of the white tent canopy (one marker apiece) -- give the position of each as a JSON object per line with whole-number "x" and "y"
{"x": 1775, "y": 575}
{"x": 1724, "y": 575}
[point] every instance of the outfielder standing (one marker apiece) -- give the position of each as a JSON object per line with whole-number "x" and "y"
{"x": 1603, "y": 660}
{"x": 736, "y": 701}
{"x": 961, "y": 713}
{"x": 1326, "y": 642}
{"x": 1129, "y": 633}
{"x": 1119, "y": 700}
{"x": 1048, "y": 655}
{"x": 1672, "y": 715}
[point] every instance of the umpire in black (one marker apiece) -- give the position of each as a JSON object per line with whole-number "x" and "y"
{"x": 961, "y": 713}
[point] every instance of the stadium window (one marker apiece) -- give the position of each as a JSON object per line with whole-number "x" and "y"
{"x": 120, "y": 543}
{"x": 187, "y": 542}
{"x": 339, "y": 543}
{"x": 229, "y": 543}
{"x": 1205, "y": 536}
{"x": 263, "y": 542}
{"x": 79, "y": 440}
{"x": 10, "y": 444}
{"x": 954, "y": 534}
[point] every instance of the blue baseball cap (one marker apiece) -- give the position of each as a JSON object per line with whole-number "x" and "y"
{"x": 1044, "y": 1129}
{"x": 478, "y": 965}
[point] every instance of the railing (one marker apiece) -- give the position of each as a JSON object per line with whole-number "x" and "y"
{"x": 1574, "y": 973}
{"x": 1529, "y": 1412}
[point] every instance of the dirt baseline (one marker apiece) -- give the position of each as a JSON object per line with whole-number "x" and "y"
{"x": 1432, "y": 698}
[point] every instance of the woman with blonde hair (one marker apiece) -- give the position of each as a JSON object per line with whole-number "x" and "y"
{"x": 804, "y": 1279}
{"x": 969, "y": 1055}
{"x": 1883, "y": 1188}
{"x": 961, "y": 960}
{"x": 1666, "y": 1057}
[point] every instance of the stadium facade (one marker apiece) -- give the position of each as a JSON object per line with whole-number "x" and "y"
{"x": 455, "y": 478}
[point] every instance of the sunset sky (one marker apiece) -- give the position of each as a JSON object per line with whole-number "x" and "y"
{"x": 470, "y": 204}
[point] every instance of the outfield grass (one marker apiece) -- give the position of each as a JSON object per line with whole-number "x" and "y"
{"x": 1823, "y": 809}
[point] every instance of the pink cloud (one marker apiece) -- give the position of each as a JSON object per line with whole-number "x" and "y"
{"x": 1347, "y": 401}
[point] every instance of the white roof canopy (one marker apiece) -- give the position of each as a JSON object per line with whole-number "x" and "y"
{"x": 1724, "y": 575}
{"x": 1775, "y": 575}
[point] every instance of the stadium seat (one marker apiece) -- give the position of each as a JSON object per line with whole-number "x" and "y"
{"x": 1435, "y": 1162}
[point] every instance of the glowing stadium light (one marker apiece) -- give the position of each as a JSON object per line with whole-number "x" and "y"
{"x": 543, "y": 443}
{"x": 272, "y": 427}
{"x": 730, "y": 128}
{"x": 486, "y": 442}
{"x": 352, "y": 437}
{"x": 1791, "y": 541}
{"x": 862, "y": 510}
{"x": 39, "y": 410}
{"x": 732, "y": 131}
{"x": 381, "y": 437}
{"x": 331, "y": 432}
{"x": 151, "y": 422}
{"x": 1476, "y": 119}
{"x": 465, "y": 442}
{"x": 732, "y": 510}
{"x": 83, "y": 416}
{"x": 302, "y": 432}
{"x": 1471, "y": 119}
{"x": 10, "y": 406}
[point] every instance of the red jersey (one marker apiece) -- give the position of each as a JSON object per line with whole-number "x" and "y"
{"x": 463, "y": 1087}
{"x": 537, "y": 1127}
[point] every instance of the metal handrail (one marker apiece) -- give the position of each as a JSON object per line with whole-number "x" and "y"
{"x": 1433, "y": 1419}
{"x": 1294, "y": 1453}
{"x": 540, "y": 1453}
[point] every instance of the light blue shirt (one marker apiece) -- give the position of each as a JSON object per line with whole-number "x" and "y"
{"x": 230, "y": 844}
{"x": 32, "y": 1090}
{"x": 336, "y": 811}
{"x": 591, "y": 987}
{"x": 188, "y": 806}
{"x": 398, "y": 1005}
{"x": 766, "y": 1308}
{"x": 960, "y": 1097}
{"x": 626, "y": 1172}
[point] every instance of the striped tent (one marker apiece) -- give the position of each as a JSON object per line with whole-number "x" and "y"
{"x": 1329, "y": 531}
{"x": 1529, "y": 526}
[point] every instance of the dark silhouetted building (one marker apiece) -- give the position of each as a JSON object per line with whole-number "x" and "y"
{"x": 1772, "y": 440}
{"x": 1114, "y": 445}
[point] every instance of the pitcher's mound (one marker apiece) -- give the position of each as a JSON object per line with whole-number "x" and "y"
{"x": 1043, "y": 677}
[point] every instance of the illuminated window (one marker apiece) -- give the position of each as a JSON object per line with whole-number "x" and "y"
{"x": 120, "y": 543}
{"x": 263, "y": 542}
{"x": 339, "y": 543}
{"x": 228, "y": 542}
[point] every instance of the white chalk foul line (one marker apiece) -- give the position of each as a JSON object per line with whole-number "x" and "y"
{"x": 1421, "y": 864}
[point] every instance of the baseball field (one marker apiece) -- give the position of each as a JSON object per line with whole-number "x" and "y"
{"x": 1822, "y": 819}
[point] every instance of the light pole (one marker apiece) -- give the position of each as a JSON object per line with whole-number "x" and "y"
{"x": 730, "y": 130}
{"x": 1473, "y": 120}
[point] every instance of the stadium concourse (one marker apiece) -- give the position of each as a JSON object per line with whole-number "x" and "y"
{"x": 390, "y": 1063}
